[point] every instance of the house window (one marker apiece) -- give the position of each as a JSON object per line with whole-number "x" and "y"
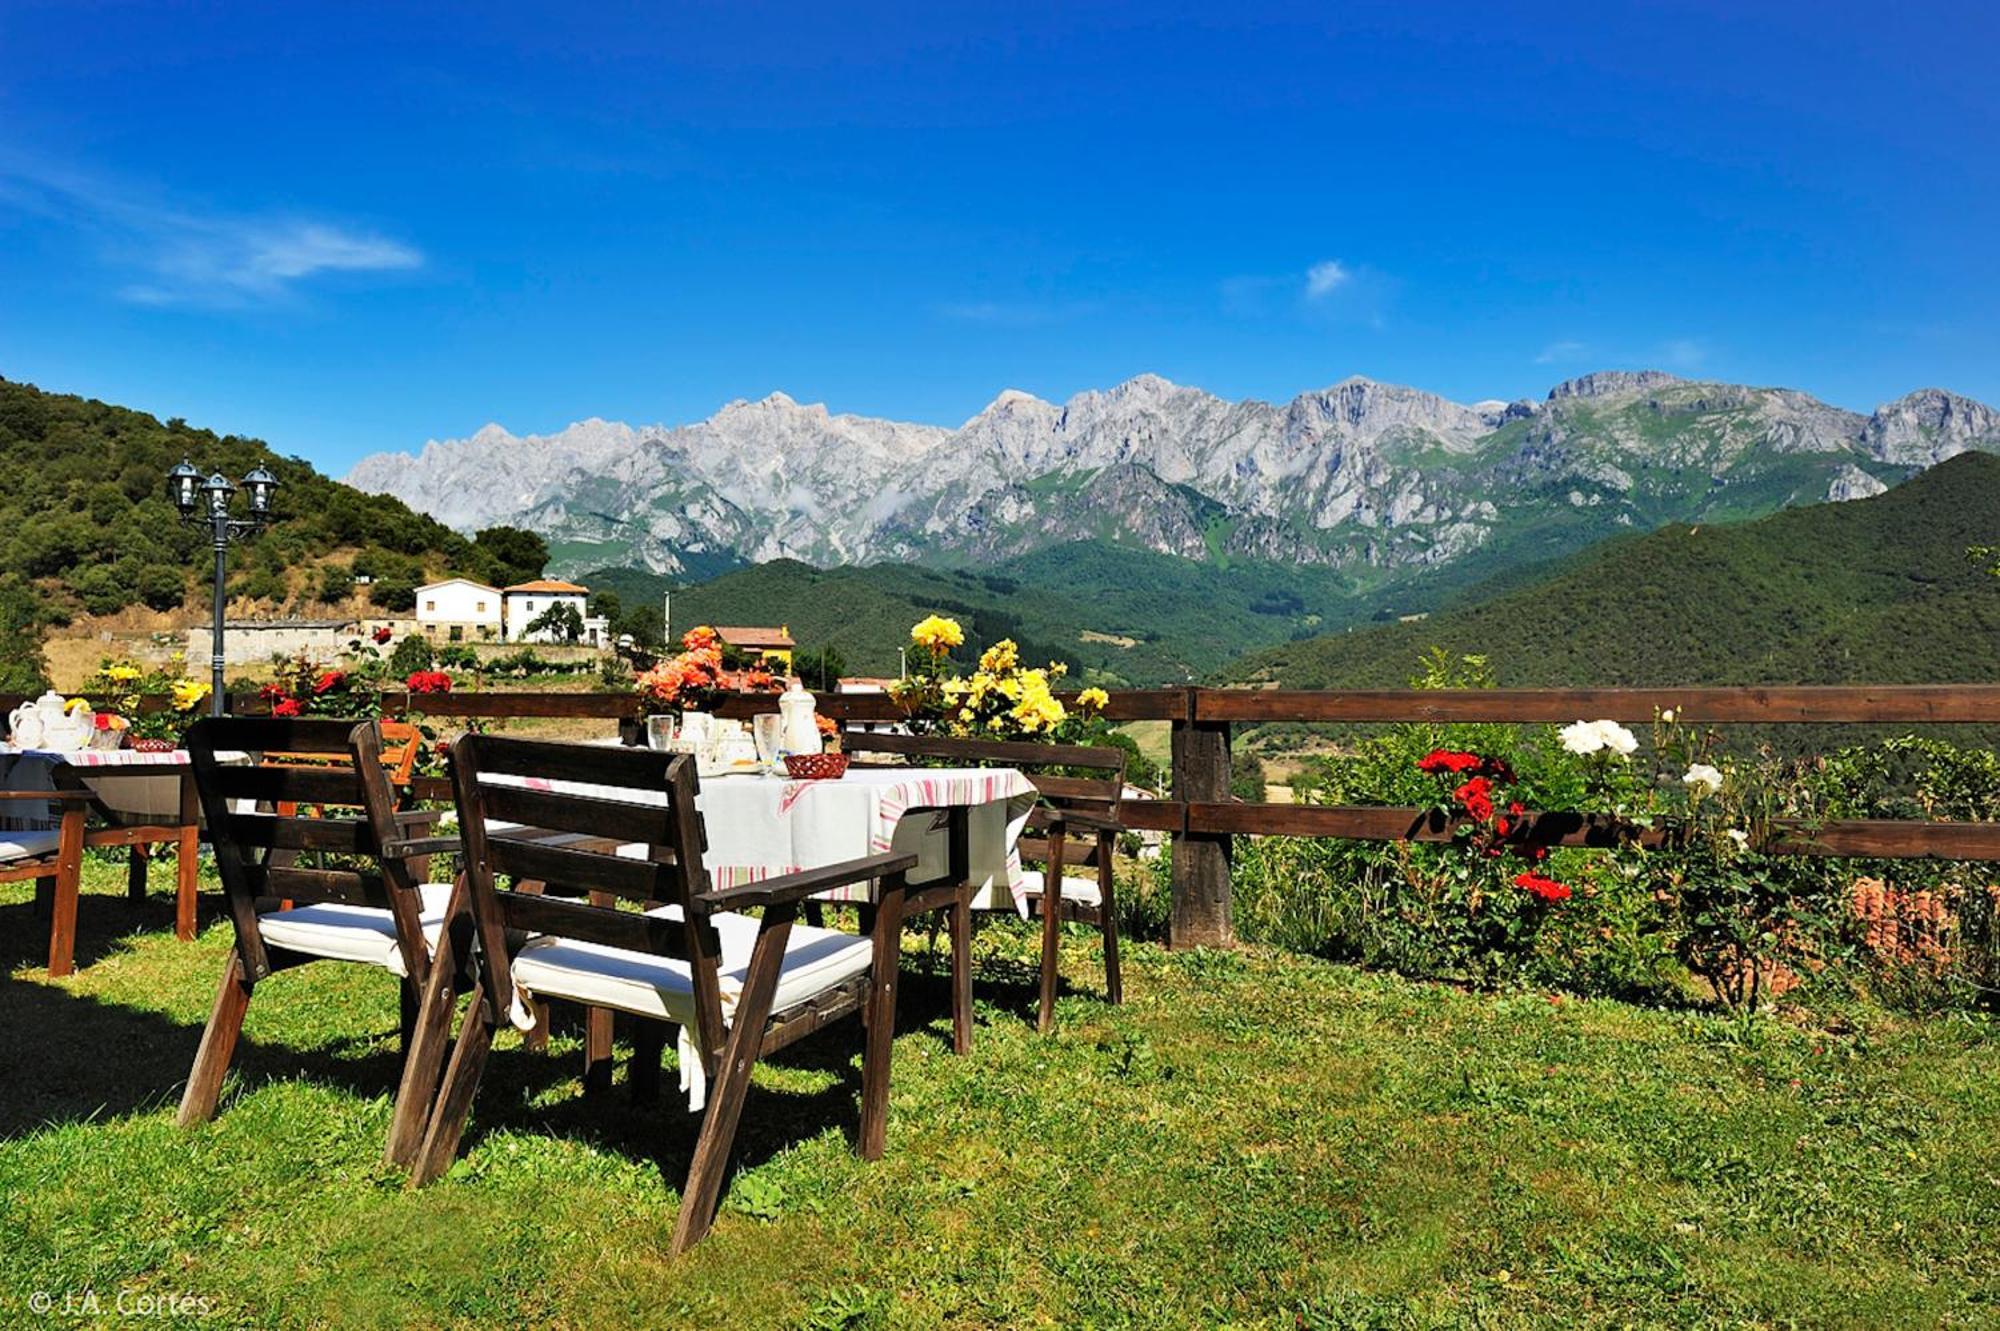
{"x": 480, "y": 607}
{"x": 458, "y": 633}
{"x": 430, "y": 607}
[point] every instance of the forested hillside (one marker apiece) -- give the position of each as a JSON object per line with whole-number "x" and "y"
{"x": 1874, "y": 590}
{"x": 84, "y": 517}
{"x": 1122, "y": 616}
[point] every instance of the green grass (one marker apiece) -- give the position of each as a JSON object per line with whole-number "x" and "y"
{"x": 1253, "y": 1140}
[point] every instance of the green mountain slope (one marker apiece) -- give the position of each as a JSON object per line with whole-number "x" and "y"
{"x": 1121, "y": 615}
{"x": 1871, "y": 591}
{"x": 85, "y": 525}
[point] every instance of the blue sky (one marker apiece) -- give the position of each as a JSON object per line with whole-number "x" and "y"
{"x": 356, "y": 227}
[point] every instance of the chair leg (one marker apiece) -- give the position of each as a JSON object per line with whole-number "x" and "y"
{"x": 885, "y": 968}
{"x": 1107, "y": 924}
{"x": 423, "y": 1056}
{"x": 649, "y": 1039}
{"x": 961, "y": 972}
{"x": 135, "y": 874}
{"x": 1052, "y": 877}
{"x": 732, "y": 1086}
{"x": 596, "y": 1050}
{"x": 454, "y": 1104}
{"x": 218, "y": 1044}
{"x": 69, "y": 877}
{"x": 187, "y": 869}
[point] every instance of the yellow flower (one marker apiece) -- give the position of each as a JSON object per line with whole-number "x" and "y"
{"x": 189, "y": 693}
{"x": 1002, "y": 656}
{"x": 1092, "y": 698}
{"x": 124, "y": 672}
{"x": 75, "y": 705}
{"x": 937, "y": 635}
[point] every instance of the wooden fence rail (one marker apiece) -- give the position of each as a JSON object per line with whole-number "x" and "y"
{"x": 1205, "y": 820}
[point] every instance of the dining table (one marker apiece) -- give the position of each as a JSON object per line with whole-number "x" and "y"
{"x": 137, "y": 800}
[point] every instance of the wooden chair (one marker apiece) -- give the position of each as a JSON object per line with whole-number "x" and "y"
{"x": 739, "y": 987}
{"x": 385, "y": 916}
{"x": 1075, "y": 825}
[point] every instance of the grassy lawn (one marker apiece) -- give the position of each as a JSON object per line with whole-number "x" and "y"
{"x": 1254, "y": 1140}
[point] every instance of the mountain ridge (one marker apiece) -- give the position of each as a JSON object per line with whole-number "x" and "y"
{"x": 1359, "y": 475}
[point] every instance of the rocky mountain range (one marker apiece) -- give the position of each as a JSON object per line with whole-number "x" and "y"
{"x": 1362, "y": 476}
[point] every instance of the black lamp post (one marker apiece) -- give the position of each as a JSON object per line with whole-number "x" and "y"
{"x": 208, "y": 501}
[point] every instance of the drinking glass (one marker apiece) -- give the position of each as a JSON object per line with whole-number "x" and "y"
{"x": 662, "y": 730}
{"x": 767, "y": 728}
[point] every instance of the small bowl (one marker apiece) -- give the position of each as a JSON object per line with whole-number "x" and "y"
{"x": 815, "y": 766}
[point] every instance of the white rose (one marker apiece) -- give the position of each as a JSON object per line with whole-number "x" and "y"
{"x": 1617, "y": 738}
{"x": 1739, "y": 836}
{"x": 1583, "y": 737}
{"x": 1668, "y": 716}
{"x": 1703, "y": 778}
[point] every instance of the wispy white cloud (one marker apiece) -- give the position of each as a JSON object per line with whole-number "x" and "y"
{"x": 1326, "y": 277}
{"x": 180, "y": 256}
{"x": 1557, "y": 353}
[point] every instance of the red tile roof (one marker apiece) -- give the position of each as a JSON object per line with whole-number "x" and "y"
{"x": 737, "y": 635}
{"x": 549, "y": 585}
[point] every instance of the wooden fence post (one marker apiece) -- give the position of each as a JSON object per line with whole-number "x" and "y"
{"x": 1201, "y": 859}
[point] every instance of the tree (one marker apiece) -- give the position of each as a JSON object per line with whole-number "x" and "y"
{"x": 820, "y": 670}
{"x": 515, "y": 555}
{"x": 411, "y": 654}
{"x": 561, "y": 622}
{"x": 22, "y": 666}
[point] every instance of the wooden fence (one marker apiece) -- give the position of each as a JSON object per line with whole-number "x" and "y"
{"x": 1204, "y": 819}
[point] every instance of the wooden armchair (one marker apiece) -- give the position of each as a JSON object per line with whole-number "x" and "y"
{"x": 1074, "y": 826}
{"x": 385, "y": 916}
{"x": 738, "y": 986}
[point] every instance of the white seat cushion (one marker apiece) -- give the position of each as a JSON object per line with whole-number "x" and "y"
{"x": 354, "y": 933}
{"x": 1082, "y": 891}
{"x": 816, "y": 960}
{"x": 25, "y": 845}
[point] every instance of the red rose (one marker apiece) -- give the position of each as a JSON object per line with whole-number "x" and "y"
{"x": 1548, "y": 889}
{"x": 1476, "y": 798}
{"x": 1448, "y": 760}
{"x": 330, "y": 680}
{"x": 384, "y": 633}
{"x": 102, "y": 720}
{"x": 286, "y": 707}
{"x": 272, "y": 691}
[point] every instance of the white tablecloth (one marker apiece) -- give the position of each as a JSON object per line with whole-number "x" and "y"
{"x": 762, "y": 826}
{"x": 759, "y": 827}
{"x": 141, "y": 798}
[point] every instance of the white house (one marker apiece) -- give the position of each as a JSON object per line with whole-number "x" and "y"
{"x": 459, "y": 610}
{"x": 529, "y": 601}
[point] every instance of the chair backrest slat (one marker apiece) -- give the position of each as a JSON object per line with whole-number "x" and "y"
{"x": 575, "y": 861}
{"x": 339, "y": 786}
{"x": 594, "y": 924}
{"x": 619, "y": 820}
{"x": 266, "y": 831}
{"x": 347, "y": 887}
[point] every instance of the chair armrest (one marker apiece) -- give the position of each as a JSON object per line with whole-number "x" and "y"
{"x": 67, "y": 796}
{"x": 409, "y": 818}
{"x": 806, "y": 882}
{"x": 1074, "y": 819}
{"x": 411, "y": 847}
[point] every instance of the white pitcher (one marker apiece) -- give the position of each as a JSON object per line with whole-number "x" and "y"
{"x": 799, "y": 732}
{"x": 29, "y": 724}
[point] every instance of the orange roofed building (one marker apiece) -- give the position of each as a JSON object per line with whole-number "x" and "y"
{"x": 772, "y": 646}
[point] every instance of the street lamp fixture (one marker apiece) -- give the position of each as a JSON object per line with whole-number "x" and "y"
{"x": 200, "y": 500}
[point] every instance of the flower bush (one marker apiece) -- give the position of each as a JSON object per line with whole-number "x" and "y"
{"x": 1675, "y": 899}
{"x": 122, "y": 685}
{"x": 697, "y": 679}
{"x": 305, "y": 686}
{"x": 1001, "y": 700}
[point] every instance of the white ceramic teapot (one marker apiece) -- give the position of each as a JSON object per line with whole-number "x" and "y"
{"x": 28, "y": 725}
{"x": 799, "y": 732}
